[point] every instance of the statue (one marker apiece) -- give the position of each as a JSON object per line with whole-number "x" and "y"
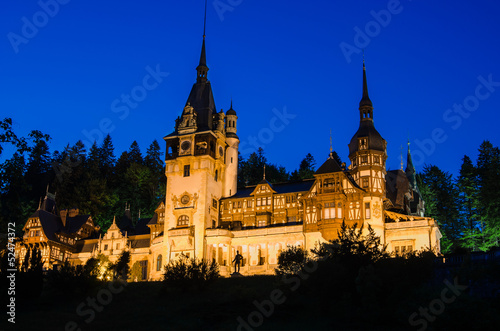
{"x": 237, "y": 261}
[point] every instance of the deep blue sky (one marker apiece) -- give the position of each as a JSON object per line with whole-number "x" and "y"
{"x": 266, "y": 55}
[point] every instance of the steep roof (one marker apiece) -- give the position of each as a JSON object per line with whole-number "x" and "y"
{"x": 397, "y": 186}
{"x": 280, "y": 188}
{"x": 329, "y": 166}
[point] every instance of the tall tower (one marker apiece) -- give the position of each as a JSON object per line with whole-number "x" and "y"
{"x": 201, "y": 167}
{"x": 232, "y": 140}
{"x": 368, "y": 154}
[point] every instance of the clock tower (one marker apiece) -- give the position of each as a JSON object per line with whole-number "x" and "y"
{"x": 201, "y": 166}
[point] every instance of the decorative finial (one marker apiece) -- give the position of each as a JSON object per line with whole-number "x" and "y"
{"x": 264, "y": 176}
{"x": 331, "y": 143}
{"x": 205, "y": 21}
{"x": 402, "y": 156}
{"x": 114, "y": 219}
{"x": 363, "y": 56}
{"x": 40, "y": 203}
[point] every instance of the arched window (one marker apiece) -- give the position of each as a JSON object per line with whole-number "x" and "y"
{"x": 158, "y": 263}
{"x": 183, "y": 220}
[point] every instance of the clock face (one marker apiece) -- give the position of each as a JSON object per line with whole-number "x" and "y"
{"x": 185, "y": 145}
{"x": 221, "y": 151}
{"x": 184, "y": 199}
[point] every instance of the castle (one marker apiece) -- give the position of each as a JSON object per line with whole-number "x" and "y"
{"x": 204, "y": 215}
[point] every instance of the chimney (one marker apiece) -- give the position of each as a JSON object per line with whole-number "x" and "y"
{"x": 63, "y": 213}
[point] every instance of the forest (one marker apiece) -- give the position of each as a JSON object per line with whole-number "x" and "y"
{"x": 100, "y": 183}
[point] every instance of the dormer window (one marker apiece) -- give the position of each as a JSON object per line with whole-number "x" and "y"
{"x": 363, "y": 143}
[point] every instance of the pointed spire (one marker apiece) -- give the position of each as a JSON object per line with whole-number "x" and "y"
{"x": 365, "y": 100}
{"x": 410, "y": 169}
{"x": 264, "y": 176}
{"x": 331, "y": 144}
{"x": 114, "y": 220}
{"x": 202, "y": 68}
{"x": 40, "y": 203}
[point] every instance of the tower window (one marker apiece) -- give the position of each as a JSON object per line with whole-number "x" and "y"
{"x": 363, "y": 143}
{"x": 364, "y": 159}
{"x": 365, "y": 183}
{"x": 376, "y": 159}
{"x": 183, "y": 220}
{"x": 186, "y": 170}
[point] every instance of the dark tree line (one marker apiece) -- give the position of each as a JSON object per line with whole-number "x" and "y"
{"x": 466, "y": 207}
{"x": 251, "y": 170}
{"x": 93, "y": 180}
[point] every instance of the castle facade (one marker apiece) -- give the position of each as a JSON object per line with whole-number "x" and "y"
{"x": 206, "y": 216}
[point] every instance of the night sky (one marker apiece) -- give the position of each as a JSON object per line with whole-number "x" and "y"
{"x": 292, "y": 68}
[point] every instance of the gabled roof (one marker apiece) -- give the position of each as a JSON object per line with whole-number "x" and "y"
{"x": 153, "y": 220}
{"x": 142, "y": 226}
{"x": 279, "y": 188}
{"x": 329, "y": 166}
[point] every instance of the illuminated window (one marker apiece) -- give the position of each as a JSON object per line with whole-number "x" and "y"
{"x": 365, "y": 183}
{"x": 376, "y": 159}
{"x": 363, "y": 143}
{"x": 249, "y": 204}
{"x": 186, "y": 170}
{"x": 158, "y": 263}
{"x": 329, "y": 210}
{"x": 291, "y": 198}
{"x": 364, "y": 159}
{"x": 262, "y": 223}
{"x": 367, "y": 210}
{"x": 183, "y": 220}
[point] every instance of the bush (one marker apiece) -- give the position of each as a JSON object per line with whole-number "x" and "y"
{"x": 68, "y": 279}
{"x": 185, "y": 273}
{"x": 291, "y": 261}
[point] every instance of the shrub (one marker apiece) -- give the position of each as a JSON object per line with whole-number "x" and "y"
{"x": 291, "y": 261}
{"x": 185, "y": 273}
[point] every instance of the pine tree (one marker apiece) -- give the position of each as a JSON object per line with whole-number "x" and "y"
{"x": 440, "y": 194}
